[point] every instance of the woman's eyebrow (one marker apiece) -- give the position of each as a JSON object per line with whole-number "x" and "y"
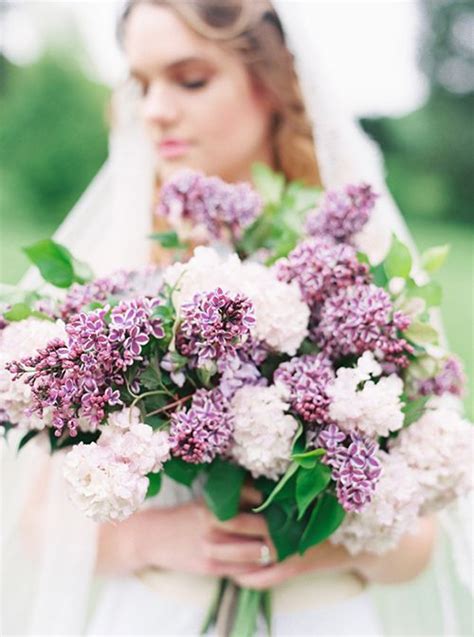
{"x": 174, "y": 66}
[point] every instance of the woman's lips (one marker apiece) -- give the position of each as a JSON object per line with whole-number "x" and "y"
{"x": 173, "y": 148}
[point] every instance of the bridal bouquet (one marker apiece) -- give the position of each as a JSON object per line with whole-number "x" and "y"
{"x": 277, "y": 352}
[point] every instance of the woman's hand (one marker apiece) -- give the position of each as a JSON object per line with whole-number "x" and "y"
{"x": 402, "y": 564}
{"x": 185, "y": 538}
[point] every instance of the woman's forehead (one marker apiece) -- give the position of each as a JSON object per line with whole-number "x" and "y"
{"x": 156, "y": 39}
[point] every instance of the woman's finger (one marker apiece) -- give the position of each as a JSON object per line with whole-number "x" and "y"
{"x": 244, "y": 524}
{"x": 242, "y": 551}
{"x": 264, "y": 578}
{"x": 250, "y": 497}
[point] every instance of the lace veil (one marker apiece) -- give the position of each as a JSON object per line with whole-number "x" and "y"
{"x": 48, "y": 556}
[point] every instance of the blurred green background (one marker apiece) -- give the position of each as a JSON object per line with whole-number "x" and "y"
{"x": 53, "y": 139}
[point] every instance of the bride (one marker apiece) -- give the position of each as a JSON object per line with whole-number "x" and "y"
{"x": 219, "y": 85}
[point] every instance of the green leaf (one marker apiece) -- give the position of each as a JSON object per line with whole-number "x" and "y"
{"x": 223, "y": 487}
{"x": 53, "y": 261}
{"x": 431, "y": 292}
{"x": 281, "y": 483}
{"x": 18, "y": 312}
{"x": 325, "y": 518}
{"x": 26, "y": 438}
{"x": 363, "y": 258}
{"x": 154, "y": 485}
{"x": 56, "y": 264}
{"x": 434, "y": 258}
{"x": 168, "y": 239}
{"x": 309, "y": 484}
{"x": 269, "y": 184}
{"x": 156, "y": 422}
{"x": 21, "y": 311}
{"x": 398, "y": 262}
{"x": 379, "y": 275}
{"x": 421, "y": 333}
{"x": 182, "y": 472}
{"x": 413, "y": 410}
{"x": 285, "y": 529}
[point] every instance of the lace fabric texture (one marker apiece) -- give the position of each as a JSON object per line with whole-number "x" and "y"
{"x": 48, "y": 548}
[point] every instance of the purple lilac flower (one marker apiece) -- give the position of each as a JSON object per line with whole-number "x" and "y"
{"x": 236, "y": 371}
{"x": 321, "y": 268}
{"x": 354, "y": 466}
{"x": 450, "y": 380}
{"x": 211, "y": 202}
{"x": 99, "y": 290}
{"x": 342, "y": 213}
{"x": 204, "y": 430}
{"x": 81, "y": 377}
{"x": 307, "y": 378}
{"x": 361, "y": 318}
{"x": 214, "y": 325}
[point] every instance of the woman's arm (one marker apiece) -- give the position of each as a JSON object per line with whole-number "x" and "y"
{"x": 405, "y": 562}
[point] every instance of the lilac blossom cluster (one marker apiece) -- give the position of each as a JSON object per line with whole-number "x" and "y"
{"x": 237, "y": 371}
{"x": 307, "y": 377}
{"x": 362, "y": 318}
{"x": 202, "y": 431}
{"x": 354, "y": 466}
{"x": 209, "y": 203}
{"x": 214, "y": 325}
{"x": 98, "y": 291}
{"x": 321, "y": 268}
{"x": 450, "y": 380}
{"x": 77, "y": 378}
{"x": 342, "y": 213}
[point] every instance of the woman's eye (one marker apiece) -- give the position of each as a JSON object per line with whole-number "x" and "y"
{"x": 194, "y": 85}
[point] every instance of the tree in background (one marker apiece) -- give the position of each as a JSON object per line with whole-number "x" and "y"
{"x": 428, "y": 152}
{"x": 53, "y": 139}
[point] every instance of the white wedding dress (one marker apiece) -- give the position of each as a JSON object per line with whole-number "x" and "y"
{"x": 51, "y": 590}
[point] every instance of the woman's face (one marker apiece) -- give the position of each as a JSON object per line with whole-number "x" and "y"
{"x": 199, "y": 104}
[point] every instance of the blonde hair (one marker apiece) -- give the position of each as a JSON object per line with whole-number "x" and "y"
{"x": 252, "y": 29}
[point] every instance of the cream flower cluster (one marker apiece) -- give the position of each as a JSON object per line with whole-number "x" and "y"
{"x": 435, "y": 449}
{"x": 108, "y": 479}
{"x": 393, "y": 511}
{"x": 18, "y": 340}
{"x": 263, "y": 432}
{"x": 375, "y": 409}
{"x": 281, "y": 316}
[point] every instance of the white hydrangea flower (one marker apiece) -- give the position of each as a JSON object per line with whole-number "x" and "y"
{"x": 263, "y": 433}
{"x": 439, "y": 448}
{"x": 108, "y": 478}
{"x": 392, "y": 513}
{"x": 134, "y": 442}
{"x": 17, "y": 340}
{"x": 375, "y": 409}
{"x": 102, "y": 487}
{"x": 281, "y": 316}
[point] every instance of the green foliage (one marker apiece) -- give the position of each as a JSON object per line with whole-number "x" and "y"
{"x": 433, "y": 258}
{"x": 325, "y": 518}
{"x": 309, "y": 484}
{"x": 168, "y": 239}
{"x": 53, "y": 140}
{"x": 222, "y": 489}
{"x": 182, "y": 472}
{"x": 398, "y": 261}
{"x": 154, "y": 484}
{"x": 56, "y": 264}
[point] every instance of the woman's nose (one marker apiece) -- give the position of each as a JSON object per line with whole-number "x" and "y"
{"x": 159, "y": 107}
